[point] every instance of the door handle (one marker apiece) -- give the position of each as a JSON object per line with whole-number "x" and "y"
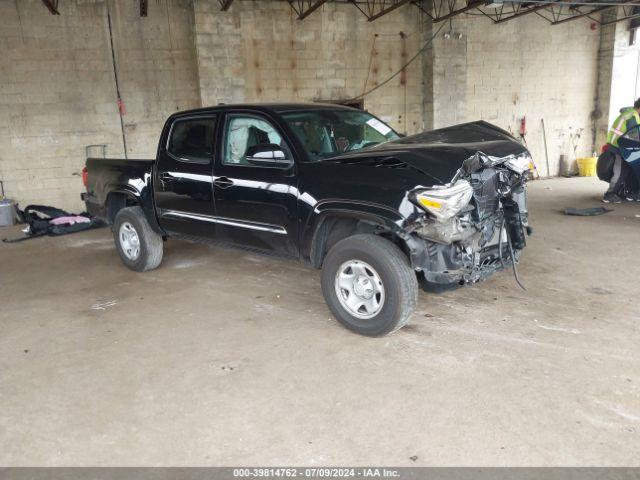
{"x": 166, "y": 177}
{"x": 223, "y": 182}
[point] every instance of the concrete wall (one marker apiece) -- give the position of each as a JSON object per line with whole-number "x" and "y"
{"x": 541, "y": 72}
{"x": 260, "y": 51}
{"x": 156, "y": 65}
{"x": 57, "y": 90}
{"x": 525, "y": 67}
{"x": 56, "y": 96}
{"x": 606, "y": 50}
{"x": 448, "y": 56}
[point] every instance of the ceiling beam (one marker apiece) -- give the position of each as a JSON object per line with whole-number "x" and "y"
{"x": 52, "y": 5}
{"x": 523, "y": 12}
{"x": 225, "y": 4}
{"x": 389, "y": 9}
{"x": 471, "y": 4}
{"x": 628, "y": 13}
{"x": 305, "y": 8}
{"x": 621, "y": 19}
{"x": 144, "y": 4}
{"x": 582, "y": 14}
{"x": 439, "y": 7}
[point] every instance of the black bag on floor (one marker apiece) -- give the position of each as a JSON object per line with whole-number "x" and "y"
{"x": 604, "y": 167}
{"x": 39, "y": 217}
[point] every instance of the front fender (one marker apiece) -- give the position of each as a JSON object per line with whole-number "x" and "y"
{"x": 380, "y": 215}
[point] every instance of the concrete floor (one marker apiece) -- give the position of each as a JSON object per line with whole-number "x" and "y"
{"x": 221, "y": 357}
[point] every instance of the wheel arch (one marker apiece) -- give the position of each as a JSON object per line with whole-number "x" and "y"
{"x": 127, "y": 196}
{"x": 117, "y": 200}
{"x": 333, "y": 222}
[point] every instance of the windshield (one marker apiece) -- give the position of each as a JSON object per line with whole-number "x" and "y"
{"x": 326, "y": 133}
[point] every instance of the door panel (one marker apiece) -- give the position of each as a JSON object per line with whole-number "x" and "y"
{"x": 256, "y": 206}
{"x": 184, "y": 176}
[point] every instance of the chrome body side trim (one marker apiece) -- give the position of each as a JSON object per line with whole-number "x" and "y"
{"x": 262, "y": 227}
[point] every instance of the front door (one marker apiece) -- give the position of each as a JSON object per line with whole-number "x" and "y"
{"x": 184, "y": 176}
{"x": 256, "y": 205}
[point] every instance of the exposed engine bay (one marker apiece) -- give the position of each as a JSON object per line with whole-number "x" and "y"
{"x": 475, "y": 225}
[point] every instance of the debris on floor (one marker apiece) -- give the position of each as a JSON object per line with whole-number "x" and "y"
{"x": 44, "y": 220}
{"x": 103, "y": 305}
{"x": 587, "y": 212}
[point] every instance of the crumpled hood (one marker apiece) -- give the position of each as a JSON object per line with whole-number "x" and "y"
{"x": 440, "y": 153}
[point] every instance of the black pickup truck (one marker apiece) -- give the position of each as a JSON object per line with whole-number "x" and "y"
{"x": 331, "y": 186}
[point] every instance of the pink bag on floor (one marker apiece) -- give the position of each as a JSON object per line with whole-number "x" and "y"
{"x": 70, "y": 220}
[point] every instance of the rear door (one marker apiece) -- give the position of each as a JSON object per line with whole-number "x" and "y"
{"x": 256, "y": 205}
{"x": 184, "y": 176}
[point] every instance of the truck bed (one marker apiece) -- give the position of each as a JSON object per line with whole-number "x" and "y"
{"x": 112, "y": 175}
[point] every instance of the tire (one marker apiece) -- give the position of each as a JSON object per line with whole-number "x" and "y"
{"x": 365, "y": 260}
{"x": 130, "y": 222}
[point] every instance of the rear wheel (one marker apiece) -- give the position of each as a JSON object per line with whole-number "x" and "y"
{"x": 369, "y": 285}
{"x": 139, "y": 247}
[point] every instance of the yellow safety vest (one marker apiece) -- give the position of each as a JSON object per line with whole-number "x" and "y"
{"x": 628, "y": 118}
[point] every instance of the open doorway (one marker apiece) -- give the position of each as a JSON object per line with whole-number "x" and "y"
{"x": 625, "y": 77}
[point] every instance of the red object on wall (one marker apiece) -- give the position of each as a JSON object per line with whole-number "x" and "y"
{"x": 523, "y": 126}
{"x": 121, "y": 106}
{"x": 85, "y": 177}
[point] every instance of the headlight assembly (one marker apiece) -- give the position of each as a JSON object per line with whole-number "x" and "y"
{"x": 444, "y": 203}
{"x": 519, "y": 164}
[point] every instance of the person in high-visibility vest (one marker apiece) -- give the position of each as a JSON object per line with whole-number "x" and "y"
{"x": 611, "y": 166}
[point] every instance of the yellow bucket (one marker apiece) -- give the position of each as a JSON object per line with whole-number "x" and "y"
{"x": 587, "y": 166}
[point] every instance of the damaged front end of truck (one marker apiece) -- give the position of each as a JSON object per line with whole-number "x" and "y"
{"x": 473, "y": 226}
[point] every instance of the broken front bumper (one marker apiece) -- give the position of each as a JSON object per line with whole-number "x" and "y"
{"x": 447, "y": 264}
{"x": 485, "y": 237}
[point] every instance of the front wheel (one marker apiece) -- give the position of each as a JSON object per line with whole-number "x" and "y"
{"x": 140, "y": 248}
{"x": 369, "y": 285}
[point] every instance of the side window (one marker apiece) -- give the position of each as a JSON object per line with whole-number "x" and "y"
{"x": 191, "y": 139}
{"x": 244, "y": 132}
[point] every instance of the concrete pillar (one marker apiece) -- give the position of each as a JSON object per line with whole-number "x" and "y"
{"x": 600, "y": 114}
{"x": 449, "y": 73}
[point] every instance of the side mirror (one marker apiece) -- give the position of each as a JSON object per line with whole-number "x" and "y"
{"x": 267, "y": 155}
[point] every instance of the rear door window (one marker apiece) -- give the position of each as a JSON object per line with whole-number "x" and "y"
{"x": 192, "y": 139}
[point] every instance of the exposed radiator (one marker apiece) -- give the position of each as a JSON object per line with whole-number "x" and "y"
{"x": 485, "y": 192}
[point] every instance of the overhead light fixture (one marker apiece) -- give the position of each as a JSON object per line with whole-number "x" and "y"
{"x": 494, "y": 3}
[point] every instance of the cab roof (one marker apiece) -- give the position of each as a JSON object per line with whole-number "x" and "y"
{"x": 270, "y": 107}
